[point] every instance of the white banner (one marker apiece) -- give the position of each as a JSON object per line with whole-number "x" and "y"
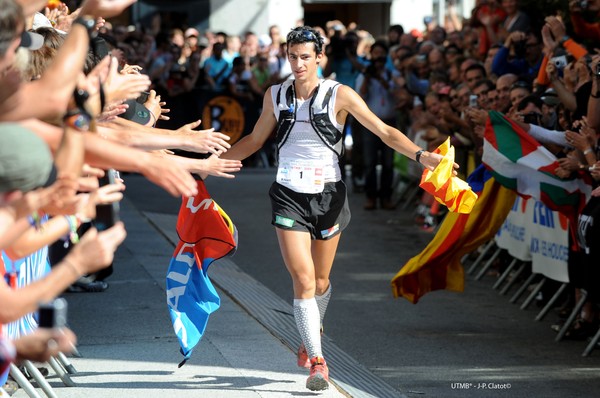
{"x": 533, "y": 232}
{"x": 549, "y": 243}
{"x": 514, "y": 236}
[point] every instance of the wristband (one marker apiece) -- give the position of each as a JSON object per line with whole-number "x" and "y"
{"x": 78, "y": 121}
{"x": 35, "y": 220}
{"x": 418, "y": 155}
{"x": 589, "y": 150}
{"x": 73, "y": 225}
{"x": 89, "y": 24}
{"x": 71, "y": 266}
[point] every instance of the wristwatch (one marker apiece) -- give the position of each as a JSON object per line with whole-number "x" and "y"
{"x": 89, "y": 24}
{"x": 418, "y": 155}
{"x": 79, "y": 121}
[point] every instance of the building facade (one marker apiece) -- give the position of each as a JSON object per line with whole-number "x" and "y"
{"x": 238, "y": 16}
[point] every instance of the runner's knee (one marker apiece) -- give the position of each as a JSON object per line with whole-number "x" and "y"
{"x": 321, "y": 285}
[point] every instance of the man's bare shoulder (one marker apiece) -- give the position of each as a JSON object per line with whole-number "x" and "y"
{"x": 346, "y": 93}
{"x": 268, "y": 99}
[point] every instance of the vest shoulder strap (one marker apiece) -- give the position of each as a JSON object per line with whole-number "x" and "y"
{"x": 285, "y": 95}
{"x": 324, "y": 94}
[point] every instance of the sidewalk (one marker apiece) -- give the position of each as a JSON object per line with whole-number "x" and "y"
{"x": 129, "y": 349}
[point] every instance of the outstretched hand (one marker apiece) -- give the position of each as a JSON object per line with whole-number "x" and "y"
{"x": 217, "y": 167}
{"x": 96, "y": 250}
{"x": 42, "y": 344}
{"x": 205, "y": 141}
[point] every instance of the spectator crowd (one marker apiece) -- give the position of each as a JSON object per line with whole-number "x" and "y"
{"x": 82, "y": 97}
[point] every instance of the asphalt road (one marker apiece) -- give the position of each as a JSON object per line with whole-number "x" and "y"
{"x": 471, "y": 344}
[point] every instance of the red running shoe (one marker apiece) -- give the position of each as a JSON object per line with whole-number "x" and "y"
{"x": 303, "y": 361}
{"x": 319, "y": 375}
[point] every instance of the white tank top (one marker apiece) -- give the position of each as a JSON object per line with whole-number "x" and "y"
{"x": 304, "y": 146}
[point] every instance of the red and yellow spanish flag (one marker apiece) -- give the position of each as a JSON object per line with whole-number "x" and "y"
{"x": 447, "y": 189}
{"x": 438, "y": 265}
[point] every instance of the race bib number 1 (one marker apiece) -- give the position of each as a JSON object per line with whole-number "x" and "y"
{"x": 304, "y": 176}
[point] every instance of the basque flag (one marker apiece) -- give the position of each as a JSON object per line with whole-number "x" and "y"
{"x": 206, "y": 234}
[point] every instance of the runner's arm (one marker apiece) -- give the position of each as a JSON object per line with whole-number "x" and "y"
{"x": 255, "y": 140}
{"x": 348, "y": 100}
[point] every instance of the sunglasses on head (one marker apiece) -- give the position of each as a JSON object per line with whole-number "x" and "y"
{"x": 308, "y": 35}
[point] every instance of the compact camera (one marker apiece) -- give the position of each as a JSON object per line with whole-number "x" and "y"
{"x": 53, "y": 314}
{"x": 532, "y": 118}
{"x": 560, "y": 62}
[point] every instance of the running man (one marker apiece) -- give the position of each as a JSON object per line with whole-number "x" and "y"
{"x": 309, "y": 201}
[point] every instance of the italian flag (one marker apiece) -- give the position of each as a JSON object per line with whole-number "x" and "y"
{"x": 519, "y": 162}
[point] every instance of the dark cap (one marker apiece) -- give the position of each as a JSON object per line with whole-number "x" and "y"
{"x": 25, "y": 159}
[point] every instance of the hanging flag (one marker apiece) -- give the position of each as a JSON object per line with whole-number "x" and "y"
{"x": 447, "y": 189}
{"x": 206, "y": 234}
{"x": 438, "y": 265}
{"x": 519, "y": 162}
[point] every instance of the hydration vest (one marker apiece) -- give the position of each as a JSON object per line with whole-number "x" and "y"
{"x": 285, "y": 112}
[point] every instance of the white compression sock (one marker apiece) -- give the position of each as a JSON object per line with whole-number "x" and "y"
{"x": 322, "y": 302}
{"x": 306, "y": 313}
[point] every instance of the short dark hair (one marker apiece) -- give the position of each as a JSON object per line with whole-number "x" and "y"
{"x": 381, "y": 44}
{"x": 11, "y": 18}
{"x": 476, "y": 66}
{"x": 530, "y": 99}
{"x": 487, "y": 82}
{"x": 305, "y": 34}
{"x": 397, "y": 28}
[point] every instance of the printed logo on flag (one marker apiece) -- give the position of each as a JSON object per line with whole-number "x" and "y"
{"x": 206, "y": 234}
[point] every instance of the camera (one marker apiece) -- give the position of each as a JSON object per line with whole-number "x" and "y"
{"x": 473, "y": 101}
{"x": 532, "y": 118}
{"x": 107, "y": 215}
{"x": 143, "y": 97}
{"x": 560, "y": 62}
{"x": 53, "y": 314}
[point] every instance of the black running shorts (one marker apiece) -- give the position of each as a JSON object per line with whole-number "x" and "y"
{"x": 323, "y": 215}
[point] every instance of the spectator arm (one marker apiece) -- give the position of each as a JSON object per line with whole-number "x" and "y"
{"x": 51, "y": 93}
{"x": 593, "y": 110}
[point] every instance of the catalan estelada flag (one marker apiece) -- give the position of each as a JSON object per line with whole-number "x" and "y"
{"x": 206, "y": 234}
{"x": 447, "y": 189}
{"x": 438, "y": 265}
